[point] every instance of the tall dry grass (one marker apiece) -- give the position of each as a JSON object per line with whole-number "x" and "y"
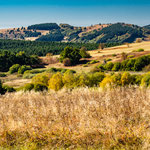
{"x": 79, "y": 119}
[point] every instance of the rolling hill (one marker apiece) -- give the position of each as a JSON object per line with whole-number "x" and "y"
{"x": 100, "y": 33}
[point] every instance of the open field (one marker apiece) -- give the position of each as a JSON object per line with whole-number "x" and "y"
{"x": 79, "y": 119}
{"x": 100, "y": 55}
{"x": 107, "y": 53}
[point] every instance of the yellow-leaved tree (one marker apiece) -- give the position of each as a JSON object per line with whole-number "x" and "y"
{"x": 56, "y": 82}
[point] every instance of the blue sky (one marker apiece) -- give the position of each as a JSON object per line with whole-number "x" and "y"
{"x": 16, "y": 13}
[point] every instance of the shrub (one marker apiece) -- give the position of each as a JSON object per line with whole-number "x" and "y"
{"x": 126, "y": 79}
{"x": 101, "y": 67}
{"x": 28, "y": 87}
{"x": 124, "y": 65}
{"x": 130, "y": 56}
{"x": 139, "y": 63}
{"x": 94, "y": 79}
{"x": 136, "y": 79}
{"x": 116, "y": 66}
{"x": 145, "y": 82}
{"x": 69, "y": 80}
{"x": 42, "y": 78}
{"x": 23, "y": 68}
{"x": 146, "y": 68}
{"x": 67, "y": 62}
{"x": 93, "y": 62}
{"x": 3, "y": 75}
{"x": 109, "y": 66}
{"x": 83, "y": 53}
{"x": 28, "y": 76}
{"x": 106, "y": 82}
{"x": 116, "y": 79}
{"x": 108, "y": 59}
{"x": 96, "y": 69}
{"x": 70, "y": 71}
{"x": 14, "y": 68}
{"x": 85, "y": 65}
{"x": 35, "y": 71}
{"x": 140, "y": 50}
{"x": 2, "y": 90}
{"x": 55, "y": 82}
{"x": 8, "y": 89}
{"x": 130, "y": 65}
{"x": 40, "y": 87}
{"x": 114, "y": 55}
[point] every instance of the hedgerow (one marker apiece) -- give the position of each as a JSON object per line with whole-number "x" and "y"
{"x": 127, "y": 65}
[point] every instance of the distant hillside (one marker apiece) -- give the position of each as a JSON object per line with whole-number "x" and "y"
{"x": 147, "y": 27}
{"x": 100, "y": 33}
{"x": 44, "y": 26}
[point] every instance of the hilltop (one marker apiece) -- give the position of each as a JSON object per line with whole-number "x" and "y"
{"x": 99, "y": 33}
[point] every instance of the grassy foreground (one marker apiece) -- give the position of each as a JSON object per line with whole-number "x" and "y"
{"x": 80, "y": 119}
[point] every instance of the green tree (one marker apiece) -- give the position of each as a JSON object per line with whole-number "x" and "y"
{"x": 72, "y": 53}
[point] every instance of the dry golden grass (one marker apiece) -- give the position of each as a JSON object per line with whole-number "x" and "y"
{"x": 119, "y": 49}
{"x": 14, "y": 80}
{"x": 79, "y": 119}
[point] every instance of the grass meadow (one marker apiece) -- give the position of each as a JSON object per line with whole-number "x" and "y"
{"x": 83, "y": 118}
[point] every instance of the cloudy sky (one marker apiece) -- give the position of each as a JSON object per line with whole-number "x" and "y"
{"x": 17, "y": 13}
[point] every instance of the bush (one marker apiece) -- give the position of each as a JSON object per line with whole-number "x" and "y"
{"x": 14, "y": 68}
{"x": 67, "y": 62}
{"x": 56, "y": 82}
{"x": 2, "y": 90}
{"x": 28, "y": 87}
{"x": 70, "y": 71}
{"x": 116, "y": 66}
{"x": 116, "y": 79}
{"x": 130, "y": 56}
{"x": 40, "y": 87}
{"x": 3, "y": 75}
{"x": 83, "y": 53}
{"x": 42, "y": 78}
{"x": 140, "y": 50}
{"x": 146, "y": 68}
{"x": 28, "y": 76}
{"x": 93, "y": 62}
{"x": 114, "y": 55}
{"x": 136, "y": 79}
{"x": 106, "y": 82}
{"x": 139, "y": 63}
{"x": 85, "y": 65}
{"x": 109, "y": 66}
{"x": 109, "y": 59}
{"x": 23, "y": 68}
{"x": 96, "y": 69}
{"x": 94, "y": 79}
{"x": 126, "y": 79}
{"x": 34, "y": 71}
{"x": 130, "y": 65}
{"x": 69, "y": 80}
{"x": 145, "y": 82}
{"x": 8, "y": 89}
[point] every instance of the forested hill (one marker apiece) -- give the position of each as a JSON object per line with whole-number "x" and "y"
{"x": 100, "y": 33}
{"x": 147, "y": 27}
